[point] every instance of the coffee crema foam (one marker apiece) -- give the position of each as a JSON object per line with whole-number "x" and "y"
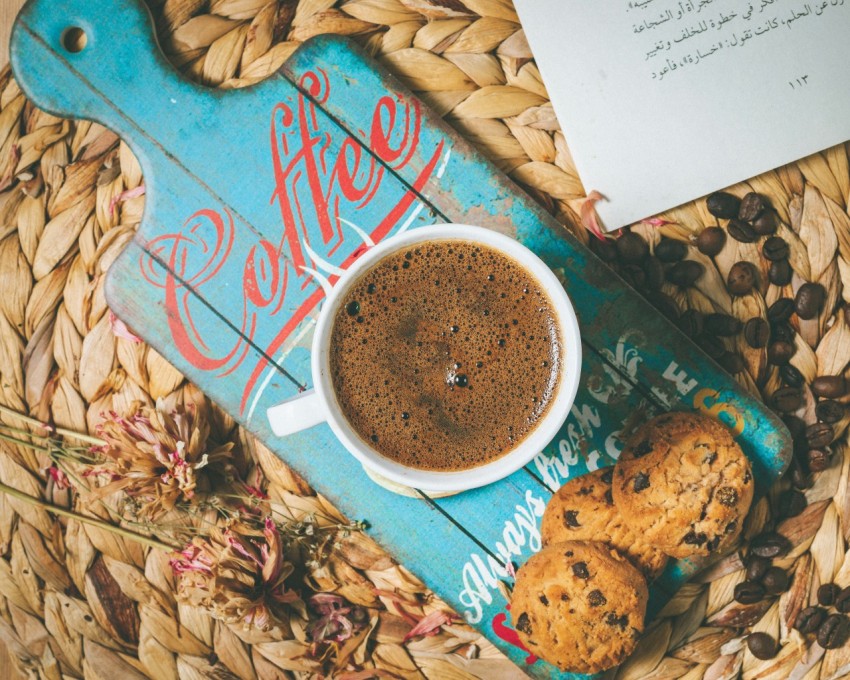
{"x": 445, "y": 355}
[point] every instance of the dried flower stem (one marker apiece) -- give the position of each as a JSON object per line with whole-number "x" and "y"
{"x": 100, "y": 524}
{"x": 95, "y": 441}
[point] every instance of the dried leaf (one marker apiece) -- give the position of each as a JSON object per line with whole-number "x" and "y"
{"x": 833, "y": 351}
{"x": 497, "y": 101}
{"x": 97, "y": 359}
{"x": 422, "y": 70}
{"x": 817, "y": 232}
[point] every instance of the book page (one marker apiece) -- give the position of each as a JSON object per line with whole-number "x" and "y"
{"x": 664, "y": 101}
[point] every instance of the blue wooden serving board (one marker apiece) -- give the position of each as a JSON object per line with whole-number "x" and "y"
{"x": 253, "y": 195}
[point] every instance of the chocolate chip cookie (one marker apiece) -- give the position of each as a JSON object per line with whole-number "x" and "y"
{"x": 579, "y": 605}
{"x": 684, "y": 485}
{"x": 583, "y": 510}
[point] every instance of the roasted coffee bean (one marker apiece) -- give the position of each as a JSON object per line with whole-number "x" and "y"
{"x": 742, "y": 278}
{"x": 781, "y": 310}
{"x": 654, "y": 272}
{"x": 828, "y": 593}
{"x": 791, "y": 503}
{"x": 819, "y": 435}
{"x": 834, "y": 631}
{"x": 842, "y": 600}
{"x": 809, "y": 620}
{"x": 749, "y": 592}
{"x": 829, "y": 386}
{"x": 711, "y": 345}
{"x": 664, "y": 304}
{"x": 631, "y": 248}
{"x": 742, "y": 231}
{"x": 756, "y": 332}
{"x": 829, "y": 411}
{"x": 757, "y": 567}
{"x": 691, "y": 323}
{"x": 711, "y": 241}
{"x": 762, "y": 646}
{"x": 787, "y": 399}
{"x": 780, "y": 352}
{"x": 670, "y": 250}
{"x": 605, "y": 248}
{"x": 723, "y": 325}
{"x": 723, "y": 205}
{"x": 809, "y": 300}
{"x": 765, "y": 224}
{"x": 797, "y": 427}
{"x": 752, "y": 205}
{"x": 791, "y": 376}
{"x": 817, "y": 460}
{"x": 775, "y": 249}
{"x": 780, "y": 273}
{"x": 775, "y": 581}
{"x": 769, "y": 544}
{"x": 782, "y": 331}
{"x": 685, "y": 273}
{"x": 800, "y": 478}
{"x": 634, "y": 275}
{"x": 732, "y": 363}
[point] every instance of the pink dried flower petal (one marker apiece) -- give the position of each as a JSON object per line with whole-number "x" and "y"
{"x": 126, "y": 196}
{"x": 239, "y": 547}
{"x": 271, "y": 552}
{"x": 254, "y": 491}
{"x": 60, "y": 479}
{"x": 430, "y": 625}
{"x": 191, "y": 558}
{"x": 120, "y": 329}
{"x": 589, "y": 218}
{"x": 656, "y": 222}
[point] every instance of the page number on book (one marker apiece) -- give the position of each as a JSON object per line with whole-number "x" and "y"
{"x": 797, "y": 83}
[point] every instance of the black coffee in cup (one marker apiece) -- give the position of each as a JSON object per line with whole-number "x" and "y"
{"x": 445, "y": 355}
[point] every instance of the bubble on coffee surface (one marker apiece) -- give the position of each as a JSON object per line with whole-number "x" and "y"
{"x": 449, "y": 362}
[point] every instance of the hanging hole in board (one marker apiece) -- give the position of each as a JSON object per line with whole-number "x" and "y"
{"x": 74, "y": 39}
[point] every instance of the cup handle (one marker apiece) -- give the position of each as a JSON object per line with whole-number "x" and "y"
{"x": 298, "y": 413}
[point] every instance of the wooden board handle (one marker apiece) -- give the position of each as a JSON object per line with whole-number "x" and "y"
{"x": 99, "y": 61}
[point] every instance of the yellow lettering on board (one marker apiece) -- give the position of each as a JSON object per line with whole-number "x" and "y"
{"x": 706, "y": 401}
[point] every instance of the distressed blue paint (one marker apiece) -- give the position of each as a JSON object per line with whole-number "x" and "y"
{"x": 203, "y": 149}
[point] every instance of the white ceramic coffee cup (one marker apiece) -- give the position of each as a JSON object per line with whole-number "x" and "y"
{"x": 319, "y": 404}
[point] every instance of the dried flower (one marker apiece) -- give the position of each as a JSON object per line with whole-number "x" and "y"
{"x": 238, "y": 573}
{"x": 156, "y": 458}
{"x": 338, "y": 620}
{"x": 60, "y": 479}
{"x": 431, "y": 624}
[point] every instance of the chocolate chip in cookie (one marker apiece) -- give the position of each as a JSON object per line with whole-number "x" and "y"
{"x": 643, "y": 448}
{"x": 596, "y": 599}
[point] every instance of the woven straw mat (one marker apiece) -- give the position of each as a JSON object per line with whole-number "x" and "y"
{"x": 79, "y": 601}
